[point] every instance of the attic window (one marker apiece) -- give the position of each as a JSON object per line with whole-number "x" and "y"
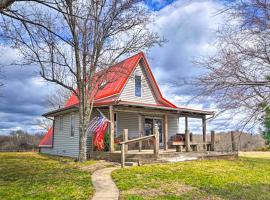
{"x": 138, "y": 86}
{"x": 103, "y": 84}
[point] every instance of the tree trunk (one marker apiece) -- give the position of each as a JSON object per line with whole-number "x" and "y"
{"x": 83, "y": 136}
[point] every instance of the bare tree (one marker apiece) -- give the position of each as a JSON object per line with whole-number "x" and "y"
{"x": 54, "y": 100}
{"x": 237, "y": 76}
{"x": 72, "y": 40}
{"x": 44, "y": 123}
{"x": 57, "y": 98}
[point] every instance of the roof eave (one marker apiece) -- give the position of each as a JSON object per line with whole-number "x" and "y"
{"x": 45, "y": 146}
{"x": 61, "y": 111}
{"x": 201, "y": 112}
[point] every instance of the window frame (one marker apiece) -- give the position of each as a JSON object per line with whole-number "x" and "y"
{"x": 72, "y": 125}
{"x": 61, "y": 124}
{"x": 138, "y": 77}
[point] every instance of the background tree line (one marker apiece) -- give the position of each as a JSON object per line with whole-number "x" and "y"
{"x": 20, "y": 140}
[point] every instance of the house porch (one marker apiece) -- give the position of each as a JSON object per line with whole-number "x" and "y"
{"x": 140, "y": 121}
{"x": 170, "y": 155}
{"x": 134, "y": 125}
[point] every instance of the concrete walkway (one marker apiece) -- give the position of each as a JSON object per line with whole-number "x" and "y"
{"x": 104, "y": 186}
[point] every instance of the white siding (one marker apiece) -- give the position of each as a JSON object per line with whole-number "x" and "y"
{"x": 128, "y": 121}
{"x": 128, "y": 93}
{"x": 173, "y": 125}
{"x": 63, "y": 143}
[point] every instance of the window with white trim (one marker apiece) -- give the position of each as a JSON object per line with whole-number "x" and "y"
{"x": 138, "y": 86}
{"x": 61, "y": 124}
{"x": 72, "y": 125}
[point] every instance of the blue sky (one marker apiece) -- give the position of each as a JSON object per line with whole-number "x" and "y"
{"x": 189, "y": 26}
{"x": 156, "y": 5}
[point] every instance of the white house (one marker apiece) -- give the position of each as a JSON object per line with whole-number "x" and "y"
{"x": 133, "y": 101}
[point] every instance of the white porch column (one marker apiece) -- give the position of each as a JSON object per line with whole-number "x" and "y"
{"x": 204, "y": 131}
{"x": 165, "y": 132}
{"x": 187, "y": 137}
{"x": 140, "y": 131}
{"x": 111, "y": 116}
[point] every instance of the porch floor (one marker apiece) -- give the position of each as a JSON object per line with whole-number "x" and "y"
{"x": 147, "y": 156}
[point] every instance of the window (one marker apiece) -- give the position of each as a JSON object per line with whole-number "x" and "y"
{"x": 138, "y": 86}
{"x": 61, "y": 125}
{"x": 72, "y": 125}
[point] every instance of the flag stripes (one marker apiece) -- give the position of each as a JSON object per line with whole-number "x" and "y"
{"x": 97, "y": 127}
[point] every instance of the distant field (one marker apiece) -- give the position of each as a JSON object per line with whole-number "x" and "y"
{"x": 33, "y": 176}
{"x": 246, "y": 178}
{"x": 255, "y": 154}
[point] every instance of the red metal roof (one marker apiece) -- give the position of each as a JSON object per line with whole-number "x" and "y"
{"x": 47, "y": 139}
{"x": 117, "y": 76}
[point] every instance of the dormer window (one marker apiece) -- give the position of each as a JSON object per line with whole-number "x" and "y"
{"x": 138, "y": 86}
{"x": 103, "y": 84}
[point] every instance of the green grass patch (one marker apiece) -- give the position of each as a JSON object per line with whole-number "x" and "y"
{"x": 244, "y": 178}
{"x": 36, "y": 176}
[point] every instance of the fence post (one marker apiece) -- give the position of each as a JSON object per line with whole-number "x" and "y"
{"x": 156, "y": 143}
{"x": 212, "y": 140}
{"x": 122, "y": 155}
{"x": 233, "y": 141}
{"x": 125, "y": 138}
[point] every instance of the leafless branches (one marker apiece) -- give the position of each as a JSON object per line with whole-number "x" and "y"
{"x": 237, "y": 76}
{"x": 71, "y": 40}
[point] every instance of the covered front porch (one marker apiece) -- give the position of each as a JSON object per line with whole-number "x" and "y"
{"x": 152, "y": 132}
{"x": 136, "y": 121}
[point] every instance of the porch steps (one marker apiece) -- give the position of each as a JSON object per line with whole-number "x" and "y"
{"x": 131, "y": 164}
{"x": 179, "y": 158}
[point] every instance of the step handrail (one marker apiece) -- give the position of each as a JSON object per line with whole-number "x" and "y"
{"x": 126, "y": 142}
{"x": 138, "y": 139}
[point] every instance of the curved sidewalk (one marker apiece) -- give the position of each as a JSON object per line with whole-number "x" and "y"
{"x": 104, "y": 186}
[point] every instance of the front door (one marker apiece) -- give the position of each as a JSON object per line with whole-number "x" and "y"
{"x": 150, "y": 123}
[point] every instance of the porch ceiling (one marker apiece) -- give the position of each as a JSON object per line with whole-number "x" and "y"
{"x": 182, "y": 112}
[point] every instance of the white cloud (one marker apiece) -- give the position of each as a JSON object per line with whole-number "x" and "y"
{"x": 190, "y": 28}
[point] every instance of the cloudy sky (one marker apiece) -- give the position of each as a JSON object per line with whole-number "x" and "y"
{"x": 189, "y": 26}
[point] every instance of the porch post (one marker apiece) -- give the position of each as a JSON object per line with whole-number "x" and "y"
{"x": 212, "y": 140}
{"x": 165, "y": 132}
{"x": 140, "y": 131}
{"x": 156, "y": 142}
{"x": 125, "y": 138}
{"x": 111, "y": 114}
{"x": 204, "y": 131}
{"x": 187, "y": 137}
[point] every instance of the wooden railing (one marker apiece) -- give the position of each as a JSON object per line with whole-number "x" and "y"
{"x": 125, "y": 142}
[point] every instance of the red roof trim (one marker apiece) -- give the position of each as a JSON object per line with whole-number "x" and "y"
{"x": 47, "y": 140}
{"x": 116, "y": 88}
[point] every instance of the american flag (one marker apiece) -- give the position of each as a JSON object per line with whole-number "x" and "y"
{"x": 98, "y": 126}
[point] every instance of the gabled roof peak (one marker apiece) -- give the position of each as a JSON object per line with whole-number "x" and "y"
{"x": 120, "y": 73}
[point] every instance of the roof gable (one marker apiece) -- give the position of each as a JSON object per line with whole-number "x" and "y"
{"x": 117, "y": 77}
{"x": 147, "y": 93}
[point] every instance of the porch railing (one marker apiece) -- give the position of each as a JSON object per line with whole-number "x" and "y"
{"x": 125, "y": 142}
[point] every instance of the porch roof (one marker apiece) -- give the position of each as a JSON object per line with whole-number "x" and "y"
{"x": 182, "y": 111}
